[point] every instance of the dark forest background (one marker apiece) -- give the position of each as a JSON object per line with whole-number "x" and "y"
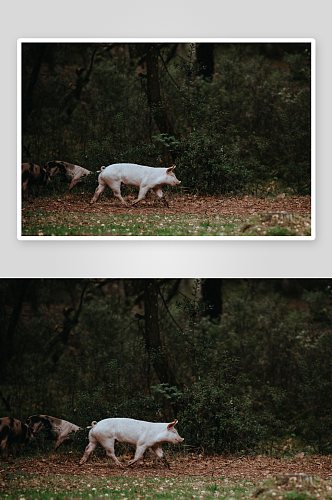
{"x": 233, "y": 117}
{"x": 244, "y": 364}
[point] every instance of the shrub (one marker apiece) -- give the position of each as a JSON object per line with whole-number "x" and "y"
{"x": 215, "y": 419}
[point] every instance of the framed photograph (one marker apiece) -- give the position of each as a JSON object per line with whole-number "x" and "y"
{"x": 166, "y": 139}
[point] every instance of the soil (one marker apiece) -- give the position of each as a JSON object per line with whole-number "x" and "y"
{"x": 241, "y": 207}
{"x": 245, "y": 467}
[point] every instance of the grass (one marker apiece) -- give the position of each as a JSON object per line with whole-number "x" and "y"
{"x": 125, "y": 225}
{"x": 38, "y": 223}
{"x": 71, "y": 214}
{"x": 30, "y": 487}
{"x": 47, "y": 480}
{"x": 61, "y": 487}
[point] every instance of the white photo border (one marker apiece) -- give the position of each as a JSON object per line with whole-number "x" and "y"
{"x": 312, "y": 41}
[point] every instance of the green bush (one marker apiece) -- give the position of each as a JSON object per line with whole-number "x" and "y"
{"x": 203, "y": 165}
{"x": 215, "y": 419}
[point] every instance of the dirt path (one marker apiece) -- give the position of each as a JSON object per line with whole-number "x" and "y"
{"x": 241, "y": 207}
{"x": 250, "y": 468}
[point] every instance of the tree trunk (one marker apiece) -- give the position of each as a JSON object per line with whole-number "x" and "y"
{"x": 212, "y": 293}
{"x": 205, "y": 58}
{"x": 22, "y": 287}
{"x": 28, "y": 103}
{"x": 152, "y": 335}
{"x": 153, "y": 93}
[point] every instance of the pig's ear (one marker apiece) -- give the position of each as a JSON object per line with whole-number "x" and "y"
{"x": 172, "y": 424}
{"x": 170, "y": 169}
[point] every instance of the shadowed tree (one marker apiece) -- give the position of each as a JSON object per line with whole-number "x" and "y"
{"x": 7, "y": 335}
{"x": 212, "y": 293}
{"x": 152, "y": 335}
{"x": 155, "y": 102}
{"x": 205, "y": 60}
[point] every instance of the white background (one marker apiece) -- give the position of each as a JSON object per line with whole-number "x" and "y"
{"x": 160, "y": 19}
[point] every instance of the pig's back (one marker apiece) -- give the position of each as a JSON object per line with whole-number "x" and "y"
{"x": 131, "y": 173}
{"x": 125, "y": 430}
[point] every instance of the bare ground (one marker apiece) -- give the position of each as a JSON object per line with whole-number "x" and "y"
{"x": 245, "y": 467}
{"x": 240, "y": 207}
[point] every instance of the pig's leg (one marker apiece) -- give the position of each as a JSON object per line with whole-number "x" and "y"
{"x": 20, "y": 449}
{"x": 62, "y": 439}
{"x": 58, "y": 443}
{"x": 73, "y": 183}
{"x": 142, "y": 192}
{"x": 116, "y": 187}
{"x": 109, "y": 447}
{"x": 5, "y": 448}
{"x": 160, "y": 454}
{"x": 89, "y": 449}
{"x": 42, "y": 441}
{"x": 100, "y": 189}
{"x": 140, "y": 449}
{"x": 160, "y": 194}
{"x": 25, "y": 189}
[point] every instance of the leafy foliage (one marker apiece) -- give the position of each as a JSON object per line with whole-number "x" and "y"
{"x": 259, "y": 376}
{"x": 246, "y": 125}
{"x": 215, "y": 419}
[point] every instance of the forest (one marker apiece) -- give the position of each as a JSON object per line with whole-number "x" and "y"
{"x": 233, "y": 117}
{"x": 243, "y": 364}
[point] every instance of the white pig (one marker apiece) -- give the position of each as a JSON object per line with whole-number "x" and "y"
{"x": 144, "y": 178}
{"x": 126, "y": 430}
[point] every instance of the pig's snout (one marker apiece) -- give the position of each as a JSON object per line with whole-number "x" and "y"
{"x": 176, "y": 182}
{"x": 179, "y": 439}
